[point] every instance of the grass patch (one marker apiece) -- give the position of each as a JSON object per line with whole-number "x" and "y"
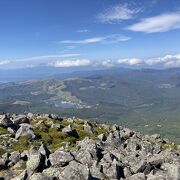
{"x": 3, "y": 130}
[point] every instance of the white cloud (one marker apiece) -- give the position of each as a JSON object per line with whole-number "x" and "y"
{"x": 70, "y": 63}
{"x": 48, "y": 57}
{"x": 3, "y": 62}
{"x": 130, "y": 61}
{"x": 102, "y": 39}
{"x": 117, "y": 13}
{"x": 108, "y": 63}
{"x": 161, "y": 23}
{"x": 165, "y": 61}
{"x": 83, "y": 31}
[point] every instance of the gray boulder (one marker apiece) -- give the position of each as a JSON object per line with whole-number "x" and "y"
{"x": 35, "y": 163}
{"x": 90, "y": 146}
{"x": 5, "y": 121}
{"x": 19, "y": 119}
{"x": 39, "y": 176}
{"x": 102, "y": 137}
{"x": 84, "y": 157}
{"x": 113, "y": 170}
{"x": 22, "y": 176}
{"x": 173, "y": 170}
{"x": 96, "y": 171}
{"x": 2, "y": 164}
{"x": 14, "y": 158}
{"x": 44, "y": 150}
{"x": 60, "y": 158}
{"x": 88, "y": 128}
{"x": 70, "y": 131}
{"x": 76, "y": 171}
{"x": 138, "y": 176}
{"x": 24, "y": 130}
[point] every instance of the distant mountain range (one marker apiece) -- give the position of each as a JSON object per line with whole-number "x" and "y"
{"x": 143, "y": 99}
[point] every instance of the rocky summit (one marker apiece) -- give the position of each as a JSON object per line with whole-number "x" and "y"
{"x": 49, "y": 147}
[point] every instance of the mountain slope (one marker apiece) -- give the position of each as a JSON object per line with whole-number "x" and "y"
{"x": 50, "y": 147}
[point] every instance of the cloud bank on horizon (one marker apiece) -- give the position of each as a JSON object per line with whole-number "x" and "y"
{"x": 106, "y": 34}
{"x": 63, "y": 61}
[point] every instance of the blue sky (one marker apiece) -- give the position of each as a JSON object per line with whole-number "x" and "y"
{"x": 71, "y": 33}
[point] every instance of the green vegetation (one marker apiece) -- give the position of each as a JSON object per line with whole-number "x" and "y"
{"x": 22, "y": 144}
{"x": 169, "y": 146}
{"x": 3, "y": 130}
{"x": 2, "y": 151}
{"x": 53, "y": 137}
{"x": 146, "y": 101}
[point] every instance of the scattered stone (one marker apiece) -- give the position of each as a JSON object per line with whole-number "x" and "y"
{"x": 19, "y": 119}
{"x": 24, "y": 130}
{"x": 60, "y": 158}
{"x": 88, "y": 128}
{"x": 5, "y": 121}
{"x": 39, "y": 176}
{"x": 22, "y": 176}
{"x": 138, "y": 176}
{"x": 69, "y": 130}
{"x": 76, "y": 171}
{"x": 117, "y": 154}
{"x": 35, "y": 163}
{"x": 2, "y": 164}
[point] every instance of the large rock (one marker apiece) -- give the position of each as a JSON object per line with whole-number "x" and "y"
{"x": 76, "y": 171}
{"x": 5, "y": 121}
{"x": 96, "y": 171}
{"x": 173, "y": 170}
{"x": 87, "y": 127}
{"x": 113, "y": 139}
{"x": 44, "y": 150}
{"x": 24, "y": 130}
{"x": 138, "y": 176}
{"x": 53, "y": 172}
{"x": 60, "y": 158}
{"x": 70, "y": 131}
{"x": 156, "y": 160}
{"x": 90, "y": 146}
{"x": 39, "y": 176}
{"x": 2, "y": 164}
{"x": 84, "y": 157}
{"x": 19, "y": 119}
{"x": 22, "y": 176}
{"x": 35, "y": 163}
{"x": 14, "y": 158}
{"x": 113, "y": 170}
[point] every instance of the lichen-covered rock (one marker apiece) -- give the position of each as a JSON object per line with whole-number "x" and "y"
{"x": 60, "y": 158}
{"x": 22, "y": 176}
{"x": 35, "y": 163}
{"x": 24, "y": 130}
{"x": 53, "y": 172}
{"x": 39, "y": 176}
{"x": 173, "y": 170}
{"x": 14, "y": 158}
{"x": 75, "y": 171}
{"x": 138, "y": 176}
